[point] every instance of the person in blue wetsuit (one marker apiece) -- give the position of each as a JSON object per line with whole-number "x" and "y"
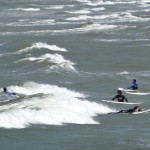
{"x": 8, "y": 92}
{"x": 120, "y": 97}
{"x": 134, "y": 85}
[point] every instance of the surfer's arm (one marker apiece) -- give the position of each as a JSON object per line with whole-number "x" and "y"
{"x": 130, "y": 87}
{"x": 126, "y": 99}
{"x": 113, "y": 98}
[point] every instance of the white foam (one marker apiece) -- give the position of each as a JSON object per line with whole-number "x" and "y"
{"x": 111, "y": 17}
{"x": 57, "y": 106}
{"x": 98, "y": 9}
{"x": 121, "y": 40}
{"x": 41, "y": 45}
{"x": 83, "y": 1}
{"x": 96, "y": 3}
{"x": 62, "y": 66}
{"x": 43, "y": 22}
{"x": 28, "y": 9}
{"x": 27, "y": 22}
{"x": 145, "y": 1}
{"x": 79, "y": 12}
{"x": 52, "y": 58}
{"x": 123, "y": 72}
{"x": 55, "y": 7}
{"x": 91, "y": 27}
{"x": 80, "y": 17}
{"x": 99, "y": 3}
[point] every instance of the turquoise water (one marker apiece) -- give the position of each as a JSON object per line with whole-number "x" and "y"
{"x": 62, "y": 58}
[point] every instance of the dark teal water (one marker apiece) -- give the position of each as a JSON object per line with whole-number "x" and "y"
{"x": 62, "y": 58}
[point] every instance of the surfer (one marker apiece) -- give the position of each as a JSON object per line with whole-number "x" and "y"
{"x": 8, "y": 92}
{"x": 120, "y": 97}
{"x": 130, "y": 111}
{"x": 134, "y": 85}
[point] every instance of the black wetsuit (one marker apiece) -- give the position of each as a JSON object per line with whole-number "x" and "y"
{"x": 120, "y": 98}
{"x": 130, "y": 111}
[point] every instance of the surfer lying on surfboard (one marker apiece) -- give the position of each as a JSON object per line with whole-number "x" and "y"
{"x": 120, "y": 97}
{"x": 8, "y": 92}
{"x": 130, "y": 111}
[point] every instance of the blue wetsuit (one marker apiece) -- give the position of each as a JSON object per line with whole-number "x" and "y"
{"x": 133, "y": 86}
{"x": 10, "y": 93}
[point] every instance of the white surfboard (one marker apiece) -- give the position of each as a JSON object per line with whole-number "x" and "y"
{"x": 135, "y": 92}
{"x": 116, "y": 102}
{"x": 140, "y": 112}
{"x": 127, "y": 90}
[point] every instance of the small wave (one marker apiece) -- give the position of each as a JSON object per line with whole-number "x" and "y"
{"x": 62, "y": 66}
{"x": 91, "y": 27}
{"x": 57, "y": 59}
{"x": 122, "y": 40}
{"x": 83, "y": 29}
{"x": 27, "y": 9}
{"x": 53, "y": 58}
{"x": 98, "y": 9}
{"x": 81, "y": 17}
{"x": 41, "y": 45}
{"x": 55, "y": 7}
{"x": 99, "y": 3}
{"x": 113, "y": 17}
{"x": 28, "y": 22}
{"x": 79, "y": 12}
{"x": 122, "y": 73}
{"x": 96, "y": 3}
{"x": 94, "y": 28}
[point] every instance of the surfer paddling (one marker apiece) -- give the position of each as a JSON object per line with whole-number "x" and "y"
{"x": 120, "y": 97}
{"x": 8, "y": 92}
{"x": 130, "y": 111}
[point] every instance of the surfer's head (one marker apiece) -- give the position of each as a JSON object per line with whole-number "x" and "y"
{"x": 5, "y": 89}
{"x": 136, "y": 107}
{"x": 134, "y": 81}
{"x": 119, "y": 91}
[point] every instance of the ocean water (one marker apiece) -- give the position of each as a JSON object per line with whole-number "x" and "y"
{"x": 62, "y": 58}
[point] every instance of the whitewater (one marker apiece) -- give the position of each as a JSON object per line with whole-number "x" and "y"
{"x": 49, "y": 105}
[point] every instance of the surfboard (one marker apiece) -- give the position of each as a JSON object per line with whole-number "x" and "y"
{"x": 135, "y": 92}
{"x": 140, "y": 112}
{"x": 116, "y": 102}
{"x": 127, "y": 90}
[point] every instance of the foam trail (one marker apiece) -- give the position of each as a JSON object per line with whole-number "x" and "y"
{"x": 41, "y": 45}
{"x": 123, "y": 73}
{"x": 79, "y": 12}
{"x": 27, "y": 9}
{"x": 56, "y": 106}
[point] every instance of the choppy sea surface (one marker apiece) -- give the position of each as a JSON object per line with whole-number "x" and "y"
{"x": 62, "y": 58}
